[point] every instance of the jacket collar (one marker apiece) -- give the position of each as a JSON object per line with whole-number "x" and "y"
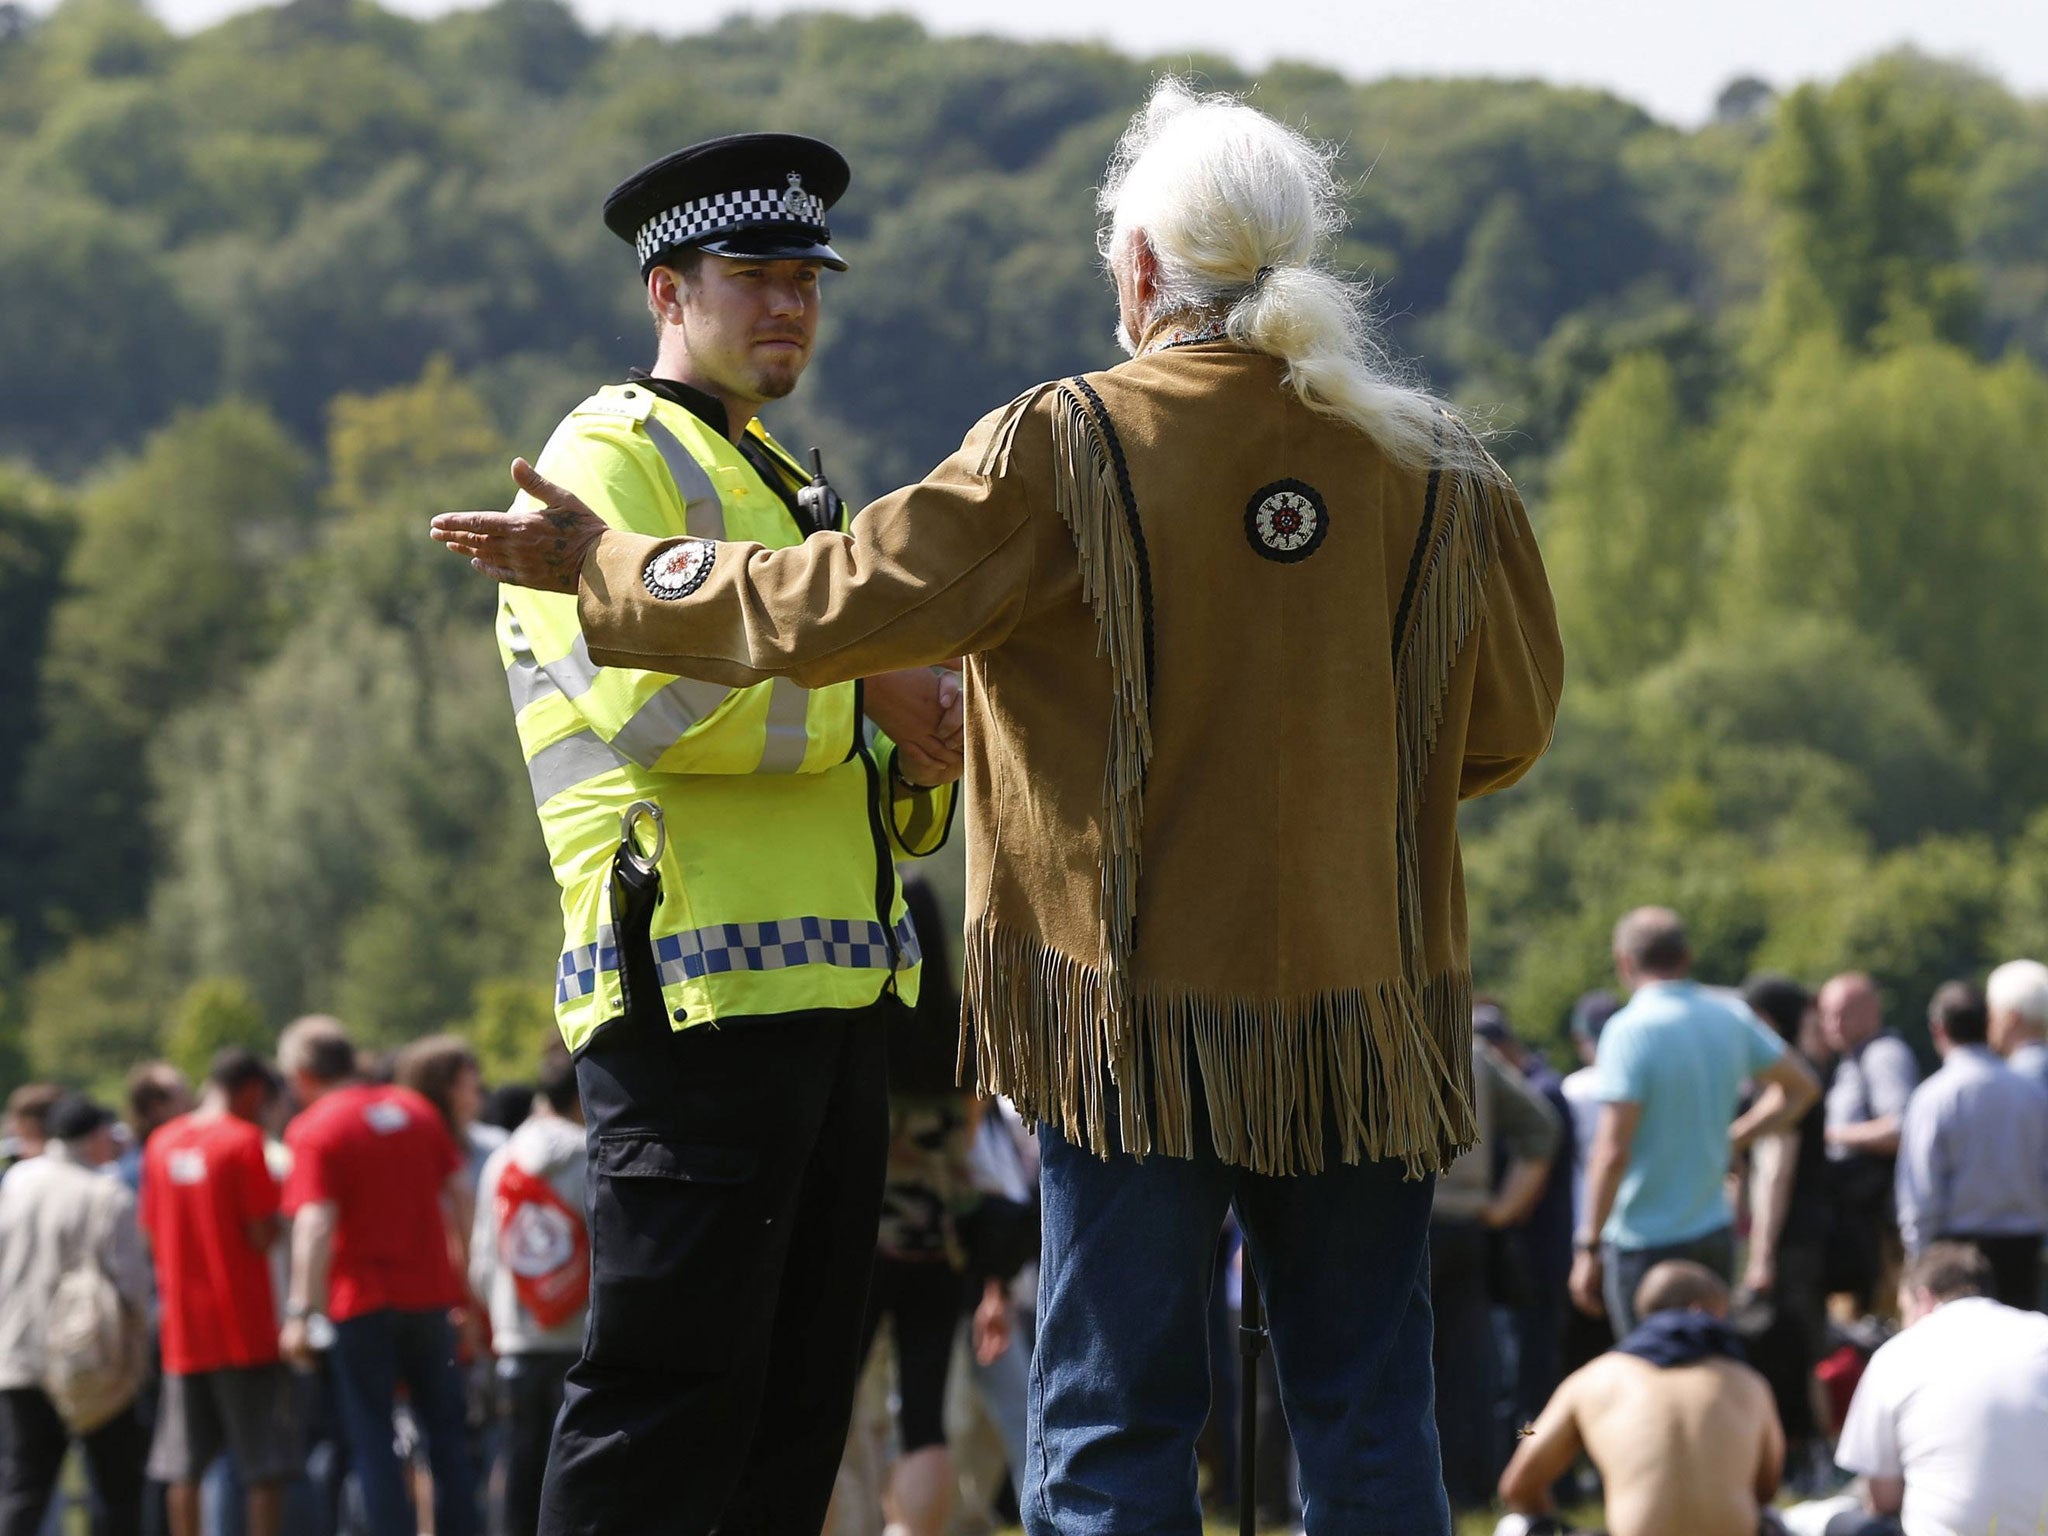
{"x": 1186, "y": 329}
{"x": 706, "y": 408}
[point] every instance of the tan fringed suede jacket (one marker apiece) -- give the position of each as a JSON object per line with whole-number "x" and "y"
{"x": 1229, "y": 674}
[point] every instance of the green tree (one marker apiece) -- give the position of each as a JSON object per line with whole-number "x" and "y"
{"x": 1008, "y": 292}
{"x": 96, "y": 1010}
{"x": 1501, "y": 297}
{"x": 1546, "y": 887}
{"x": 1918, "y": 917}
{"x": 166, "y": 598}
{"x": 1902, "y": 496}
{"x": 539, "y": 44}
{"x": 35, "y": 534}
{"x": 212, "y": 1014}
{"x": 1630, "y": 526}
{"x": 1867, "y": 178}
{"x": 394, "y": 459}
{"x": 1442, "y": 153}
{"x": 13, "y": 1016}
{"x": 1742, "y": 708}
{"x": 2023, "y": 927}
{"x": 351, "y": 831}
{"x": 82, "y": 369}
{"x": 281, "y": 802}
{"x": 101, "y": 39}
{"x": 1582, "y": 350}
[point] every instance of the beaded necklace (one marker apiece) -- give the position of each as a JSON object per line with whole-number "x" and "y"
{"x": 1215, "y": 328}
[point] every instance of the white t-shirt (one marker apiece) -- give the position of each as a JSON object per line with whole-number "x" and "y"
{"x": 1580, "y": 1092}
{"x": 1957, "y": 1405}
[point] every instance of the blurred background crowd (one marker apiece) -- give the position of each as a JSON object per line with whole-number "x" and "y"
{"x": 412, "y": 1384}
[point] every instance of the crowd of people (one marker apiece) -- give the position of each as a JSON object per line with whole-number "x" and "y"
{"x": 343, "y": 1291}
{"x": 1743, "y": 1244}
{"x": 1879, "y": 1347}
{"x": 289, "y": 1334}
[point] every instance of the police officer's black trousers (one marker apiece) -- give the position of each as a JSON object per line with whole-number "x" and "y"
{"x": 735, "y": 1188}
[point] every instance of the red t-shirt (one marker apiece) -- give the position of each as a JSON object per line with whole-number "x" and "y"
{"x": 380, "y": 1155}
{"x": 204, "y": 1182}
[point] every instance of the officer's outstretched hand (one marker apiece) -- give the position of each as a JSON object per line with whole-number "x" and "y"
{"x": 920, "y": 709}
{"x": 543, "y": 548}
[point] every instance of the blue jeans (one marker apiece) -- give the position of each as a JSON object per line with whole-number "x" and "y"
{"x": 1120, "y": 1378}
{"x": 372, "y": 1354}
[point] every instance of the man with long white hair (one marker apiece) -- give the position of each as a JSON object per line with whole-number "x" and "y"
{"x": 2017, "y": 995}
{"x": 1246, "y": 618}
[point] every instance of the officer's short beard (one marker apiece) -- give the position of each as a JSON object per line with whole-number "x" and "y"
{"x": 774, "y": 383}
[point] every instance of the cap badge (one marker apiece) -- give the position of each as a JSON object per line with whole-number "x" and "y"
{"x": 675, "y": 572}
{"x": 1286, "y": 521}
{"x": 800, "y": 206}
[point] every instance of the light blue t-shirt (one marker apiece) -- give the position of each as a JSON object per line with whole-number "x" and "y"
{"x": 1683, "y": 1053}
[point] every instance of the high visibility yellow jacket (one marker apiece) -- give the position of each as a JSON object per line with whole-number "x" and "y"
{"x": 778, "y": 881}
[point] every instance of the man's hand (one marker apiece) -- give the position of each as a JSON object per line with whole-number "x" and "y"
{"x": 1586, "y": 1283}
{"x": 542, "y": 549}
{"x": 294, "y": 1343}
{"x": 1760, "y": 1275}
{"x": 991, "y": 1324}
{"x": 920, "y": 710}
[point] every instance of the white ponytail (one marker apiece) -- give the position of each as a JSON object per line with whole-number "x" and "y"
{"x": 1237, "y": 210}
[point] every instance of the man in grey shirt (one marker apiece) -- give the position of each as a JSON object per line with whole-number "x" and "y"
{"x": 1973, "y": 1154}
{"x": 1874, "y": 1075}
{"x": 1465, "y": 1208}
{"x": 57, "y": 1212}
{"x": 2017, "y": 994}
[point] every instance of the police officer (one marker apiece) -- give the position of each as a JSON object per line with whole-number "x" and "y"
{"x": 729, "y": 968}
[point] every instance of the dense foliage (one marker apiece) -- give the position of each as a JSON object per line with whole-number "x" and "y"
{"x": 271, "y": 293}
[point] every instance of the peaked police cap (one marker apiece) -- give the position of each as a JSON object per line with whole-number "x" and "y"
{"x": 762, "y": 195}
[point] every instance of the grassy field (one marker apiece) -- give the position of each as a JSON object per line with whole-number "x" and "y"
{"x": 1469, "y": 1525}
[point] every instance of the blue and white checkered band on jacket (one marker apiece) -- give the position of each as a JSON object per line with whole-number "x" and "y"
{"x": 723, "y": 212}
{"x": 769, "y": 946}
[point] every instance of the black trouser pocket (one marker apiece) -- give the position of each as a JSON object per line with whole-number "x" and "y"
{"x": 677, "y": 1232}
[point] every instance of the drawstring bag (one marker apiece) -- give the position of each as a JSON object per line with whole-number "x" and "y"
{"x": 95, "y": 1350}
{"x": 544, "y": 1244}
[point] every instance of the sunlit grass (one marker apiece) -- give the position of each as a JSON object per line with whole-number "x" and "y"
{"x": 1468, "y": 1525}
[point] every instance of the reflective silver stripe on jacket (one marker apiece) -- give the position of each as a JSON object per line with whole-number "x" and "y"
{"x": 571, "y": 675}
{"x": 571, "y": 761}
{"x": 789, "y": 706}
{"x": 703, "y": 512}
{"x": 788, "y": 737}
{"x": 659, "y": 723}
{"x": 654, "y": 727}
{"x": 664, "y": 719}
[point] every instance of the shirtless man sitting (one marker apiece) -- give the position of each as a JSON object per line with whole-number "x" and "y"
{"x": 1685, "y": 1435}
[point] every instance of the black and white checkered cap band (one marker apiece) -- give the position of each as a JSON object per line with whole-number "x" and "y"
{"x": 723, "y": 211}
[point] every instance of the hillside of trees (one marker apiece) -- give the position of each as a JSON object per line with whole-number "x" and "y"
{"x": 273, "y": 292}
